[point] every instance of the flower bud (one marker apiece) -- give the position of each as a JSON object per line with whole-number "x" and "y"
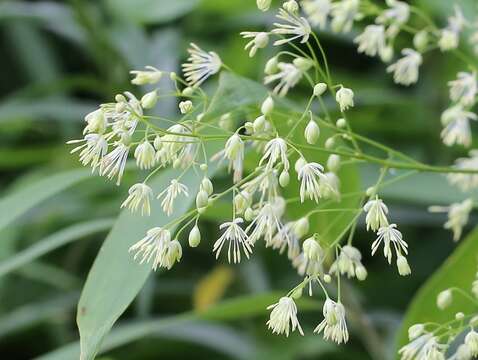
{"x": 302, "y": 64}
{"x": 459, "y": 316}
{"x": 271, "y": 66}
{"x": 149, "y": 100}
{"x": 188, "y": 91}
{"x": 319, "y": 89}
{"x": 312, "y": 132}
{"x": 291, "y": 6}
{"x": 312, "y": 249}
{"x": 185, "y": 106}
{"x": 146, "y": 77}
{"x": 263, "y": 5}
{"x": 403, "y": 266}
{"x": 225, "y": 122}
{"x": 301, "y": 227}
{"x": 173, "y": 76}
{"x": 284, "y": 179}
{"x": 267, "y": 106}
{"x": 420, "y": 40}
{"x": 249, "y": 214}
{"x": 386, "y": 54}
{"x": 157, "y": 143}
{"x": 333, "y": 163}
{"x": 299, "y": 163}
{"x": 345, "y": 98}
{"x": 194, "y": 236}
{"x": 297, "y": 293}
{"x": 249, "y": 126}
{"x": 261, "y": 40}
{"x": 341, "y": 123}
{"x": 175, "y": 253}
{"x": 330, "y": 143}
{"x": 201, "y": 199}
{"x": 259, "y": 123}
{"x": 327, "y": 278}
{"x": 361, "y": 272}
{"x": 415, "y": 331}
{"x": 242, "y": 201}
{"x": 444, "y": 299}
{"x": 206, "y": 184}
{"x": 203, "y": 167}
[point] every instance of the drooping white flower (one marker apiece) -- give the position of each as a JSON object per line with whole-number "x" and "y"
{"x": 458, "y": 214}
{"x": 234, "y": 152}
{"x": 263, "y": 5}
{"x": 266, "y": 224}
{"x": 471, "y": 339}
{"x": 259, "y": 41}
{"x": 170, "y": 194}
{"x": 275, "y": 152}
{"x": 456, "y": 122}
{"x": 283, "y": 317}
{"x": 349, "y": 262}
{"x": 145, "y": 155}
{"x": 395, "y": 16}
{"x": 265, "y": 182}
{"x": 309, "y": 177}
{"x": 139, "y": 197}
{"x": 149, "y": 76}
{"x": 175, "y": 146}
{"x": 450, "y": 36}
{"x": 405, "y": 70}
{"x": 377, "y": 213}
{"x": 96, "y": 122}
{"x": 236, "y": 238}
{"x": 93, "y": 149}
{"x": 288, "y": 76}
{"x": 343, "y": 15}
{"x": 462, "y": 353}
{"x": 465, "y": 181}
{"x": 415, "y": 331}
{"x": 464, "y": 89}
{"x": 317, "y": 11}
{"x": 425, "y": 347}
{"x": 390, "y": 236}
{"x": 156, "y": 247}
{"x": 403, "y": 266}
{"x": 334, "y": 326}
{"x": 113, "y": 164}
{"x": 295, "y": 26}
{"x": 345, "y": 98}
{"x": 201, "y": 65}
{"x": 372, "y": 40}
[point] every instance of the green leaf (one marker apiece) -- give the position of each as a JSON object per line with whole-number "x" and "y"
{"x": 17, "y": 203}
{"x": 457, "y": 271}
{"x": 52, "y": 242}
{"x": 150, "y": 11}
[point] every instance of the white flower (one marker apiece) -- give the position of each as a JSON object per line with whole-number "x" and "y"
{"x": 139, "y": 197}
{"x": 345, "y": 98}
{"x": 113, "y": 164}
{"x": 457, "y": 21}
{"x": 170, "y": 194}
{"x": 259, "y": 41}
{"x": 309, "y": 177}
{"x": 390, "y": 235}
{"x": 157, "y": 247}
{"x": 201, "y": 65}
{"x": 377, "y": 213}
{"x": 343, "y": 15}
{"x": 405, "y": 70}
{"x": 317, "y": 11}
{"x": 96, "y": 122}
{"x": 372, "y": 40}
{"x": 456, "y": 122}
{"x": 288, "y": 76}
{"x": 175, "y": 146}
{"x": 185, "y": 107}
{"x": 92, "y": 151}
{"x": 448, "y": 40}
{"x": 145, "y": 155}
{"x": 462, "y": 353}
{"x": 425, "y": 347}
{"x": 349, "y": 262}
{"x": 263, "y": 5}
{"x": 266, "y": 224}
{"x": 396, "y": 15}
{"x": 471, "y": 339}
{"x": 333, "y": 326}
{"x": 234, "y": 152}
{"x": 297, "y": 27}
{"x": 403, "y": 266}
{"x": 236, "y": 238}
{"x": 275, "y": 152}
{"x": 464, "y": 89}
{"x": 415, "y": 331}
{"x": 465, "y": 181}
{"x": 283, "y": 317}
{"x": 458, "y": 214}
{"x": 149, "y": 76}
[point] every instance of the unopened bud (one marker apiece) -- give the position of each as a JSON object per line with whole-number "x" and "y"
{"x": 194, "y": 236}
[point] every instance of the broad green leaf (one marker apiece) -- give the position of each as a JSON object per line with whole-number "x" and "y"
{"x": 53, "y": 242}
{"x": 150, "y": 11}
{"x": 17, "y": 203}
{"x": 457, "y": 271}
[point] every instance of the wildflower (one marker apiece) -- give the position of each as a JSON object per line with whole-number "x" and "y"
{"x": 201, "y": 65}
{"x": 456, "y": 122}
{"x": 312, "y": 249}
{"x": 297, "y": 27}
{"x": 139, "y": 196}
{"x": 403, "y": 266}
{"x": 405, "y": 70}
{"x": 425, "y": 347}
{"x": 113, "y": 164}
{"x": 145, "y": 155}
{"x": 345, "y": 98}
{"x": 415, "y": 331}
{"x": 349, "y": 262}
{"x": 343, "y": 15}
{"x": 319, "y": 89}
{"x": 465, "y": 181}
{"x": 464, "y": 89}
{"x": 236, "y": 237}
{"x": 96, "y": 122}
{"x": 149, "y": 76}
{"x": 312, "y": 132}
{"x": 170, "y": 194}
{"x": 275, "y": 151}
{"x": 333, "y": 326}
{"x": 458, "y": 214}
{"x": 471, "y": 339}
{"x": 372, "y": 40}
{"x": 234, "y": 152}
{"x": 153, "y": 247}
{"x": 194, "y": 237}
{"x": 377, "y": 213}
{"x": 288, "y": 76}
{"x": 444, "y": 299}
{"x": 317, "y": 11}
{"x": 92, "y": 151}
{"x": 390, "y": 235}
{"x": 263, "y": 5}
{"x": 395, "y": 16}
{"x": 149, "y": 100}
{"x": 266, "y": 224}
{"x": 309, "y": 177}
{"x": 283, "y": 317}
{"x": 462, "y": 353}
{"x": 450, "y": 36}
{"x": 259, "y": 41}
{"x": 291, "y": 6}
{"x": 173, "y": 145}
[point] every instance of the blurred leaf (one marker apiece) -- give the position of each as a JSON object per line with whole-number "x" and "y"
{"x": 212, "y": 287}
{"x": 53, "y": 242}
{"x": 150, "y": 11}
{"x": 20, "y": 201}
{"x": 458, "y": 270}
{"x": 27, "y": 156}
